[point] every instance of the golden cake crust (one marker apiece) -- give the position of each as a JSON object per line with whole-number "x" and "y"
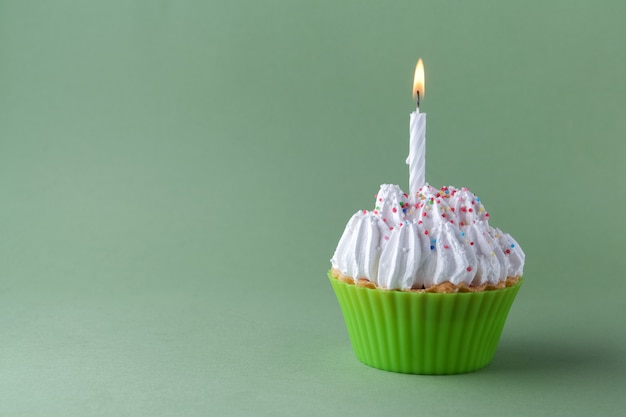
{"x": 445, "y": 287}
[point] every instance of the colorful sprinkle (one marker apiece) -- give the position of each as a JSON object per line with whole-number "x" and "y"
{"x": 425, "y": 232}
{"x": 446, "y": 247}
{"x": 432, "y": 247}
{"x": 507, "y": 251}
{"x": 394, "y": 209}
{"x": 469, "y": 269}
{"x": 512, "y": 245}
{"x": 472, "y": 243}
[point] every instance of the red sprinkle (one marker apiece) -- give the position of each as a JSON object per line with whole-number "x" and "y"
{"x": 385, "y": 220}
{"x": 470, "y": 210}
{"x": 391, "y": 228}
{"x": 452, "y": 208}
{"x": 446, "y": 247}
{"x": 417, "y": 205}
{"x": 394, "y": 210}
{"x": 486, "y": 214}
{"x": 425, "y": 232}
{"x": 472, "y": 243}
{"x": 507, "y": 251}
{"x": 443, "y": 215}
{"x": 469, "y": 269}
{"x": 424, "y": 214}
{"x": 419, "y": 222}
{"x": 364, "y": 211}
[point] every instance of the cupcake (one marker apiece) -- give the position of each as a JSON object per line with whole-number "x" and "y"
{"x": 425, "y": 283}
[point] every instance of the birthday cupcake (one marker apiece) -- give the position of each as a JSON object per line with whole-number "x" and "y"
{"x": 424, "y": 282}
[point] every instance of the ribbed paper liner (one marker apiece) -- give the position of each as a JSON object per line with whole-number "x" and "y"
{"x": 424, "y": 333}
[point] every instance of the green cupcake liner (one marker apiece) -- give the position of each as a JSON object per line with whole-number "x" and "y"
{"x": 424, "y": 333}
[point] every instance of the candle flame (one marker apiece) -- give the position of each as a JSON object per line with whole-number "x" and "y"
{"x": 418, "y": 81}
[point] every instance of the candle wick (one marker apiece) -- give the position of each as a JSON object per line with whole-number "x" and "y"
{"x": 417, "y": 104}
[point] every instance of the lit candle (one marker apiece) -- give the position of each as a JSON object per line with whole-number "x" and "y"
{"x": 417, "y": 144}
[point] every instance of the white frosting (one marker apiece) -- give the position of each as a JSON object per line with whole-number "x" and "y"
{"x": 456, "y": 260}
{"x": 401, "y": 257}
{"x": 359, "y": 248}
{"x": 438, "y": 235}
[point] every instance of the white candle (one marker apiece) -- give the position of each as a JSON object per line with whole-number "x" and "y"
{"x": 417, "y": 145}
{"x": 417, "y": 153}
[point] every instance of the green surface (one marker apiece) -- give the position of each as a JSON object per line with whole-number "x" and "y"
{"x": 175, "y": 176}
{"x": 424, "y": 333}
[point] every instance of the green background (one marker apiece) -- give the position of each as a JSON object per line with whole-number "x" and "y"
{"x": 175, "y": 176}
